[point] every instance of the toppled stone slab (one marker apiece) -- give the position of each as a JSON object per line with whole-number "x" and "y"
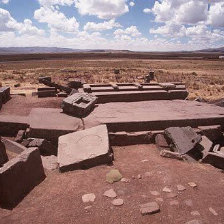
{"x": 20, "y": 136}
{"x": 215, "y": 159}
{"x": 183, "y": 139}
{"x": 84, "y": 149}
{"x": 213, "y": 132}
{"x": 19, "y": 176}
{"x": 46, "y": 148}
{"x": 149, "y": 208}
{"x": 79, "y": 104}
{"x": 3, "y": 154}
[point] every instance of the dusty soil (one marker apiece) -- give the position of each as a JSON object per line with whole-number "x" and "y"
{"x": 204, "y": 78}
{"x": 58, "y": 198}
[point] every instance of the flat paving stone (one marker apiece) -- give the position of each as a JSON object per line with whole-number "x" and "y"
{"x": 118, "y": 202}
{"x": 84, "y": 149}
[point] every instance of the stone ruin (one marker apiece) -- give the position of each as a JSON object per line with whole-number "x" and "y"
{"x": 94, "y": 117}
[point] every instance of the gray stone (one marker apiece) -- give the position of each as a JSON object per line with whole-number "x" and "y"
{"x": 84, "y": 149}
{"x": 79, "y": 104}
{"x": 46, "y": 148}
{"x": 161, "y": 141}
{"x": 113, "y": 176}
{"x": 20, "y": 136}
{"x": 88, "y": 198}
{"x": 50, "y": 162}
{"x": 149, "y": 208}
{"x": 183, "y": 139}
{"x": 110, "y": 193}
{"x": 3, "y": 154}
{"x": 118, "y": 202}
{"x": 172, "y": 155}
{"x": 19, "y": 176}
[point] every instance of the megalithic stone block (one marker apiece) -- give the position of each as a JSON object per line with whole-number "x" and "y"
{"x": 19, "y": 176}
{"x": 79, "y": 104}
{"x": 5, "y": 92}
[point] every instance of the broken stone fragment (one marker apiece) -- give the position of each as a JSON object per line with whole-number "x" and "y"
{"x": 113, "y": 176}
{"x": 110, "y": 193}
{"x": 118, "y": 202}
{"x": 84, "y": 149}
{"x": 149, "y": 208}
{"x": 20, "y": 136}
{"x": 161, "y": 142}
{"x": 3, "y": 154}
{"x": 206, "y": 145}
{"x": 172, "y": 155}
{"x": 88, "y": 198}
{"x": 183, "y": 139}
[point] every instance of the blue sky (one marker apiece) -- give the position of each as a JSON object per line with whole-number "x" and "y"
{"x": 142, "y": 25}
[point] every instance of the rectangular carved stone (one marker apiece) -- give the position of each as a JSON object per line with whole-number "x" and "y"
{"x": 46, "y": 93}
{"x": 5, "y": 92}
{"x": 19, "y": 176}
{"x": 79, "y": 104}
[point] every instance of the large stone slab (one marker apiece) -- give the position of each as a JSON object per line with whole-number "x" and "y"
{"x": 19, "y": 176}
{"x": 84, "y": 149}
{"x": 50, "y": 123}
{"x": 183, "y": 139}
{"x": 154, "y": 115}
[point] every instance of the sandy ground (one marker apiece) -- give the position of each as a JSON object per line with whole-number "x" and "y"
{"x": 58, "y": 198}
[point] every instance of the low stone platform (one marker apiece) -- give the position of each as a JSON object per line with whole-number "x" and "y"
{"x": 50, "y": 123}
{"x": 154, "y": 115}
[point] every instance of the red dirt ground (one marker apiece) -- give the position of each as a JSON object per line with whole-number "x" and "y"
{"x": 58, "y": 198}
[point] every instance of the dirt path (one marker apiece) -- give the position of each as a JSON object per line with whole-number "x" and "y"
{"x": 58, "y": 198}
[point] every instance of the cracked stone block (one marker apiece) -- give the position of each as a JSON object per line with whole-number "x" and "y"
{"x": 79, "y": 104}
{"x": 19, "y": 176}
{"x": 84, "y": 149}
{"x": 182, "y": 139}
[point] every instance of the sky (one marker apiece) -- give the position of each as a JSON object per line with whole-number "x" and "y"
{"x": 138, "y": 25}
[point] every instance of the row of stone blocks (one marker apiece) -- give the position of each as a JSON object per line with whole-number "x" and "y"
{"x": 4, "y": 95}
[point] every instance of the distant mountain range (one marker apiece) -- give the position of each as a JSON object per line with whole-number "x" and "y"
{"x": 47, "y": 50}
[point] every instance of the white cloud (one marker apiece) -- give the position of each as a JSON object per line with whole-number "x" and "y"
{"x": 107, "y": 25}
{"x": 8, "y": 24}
{"x": 130, "y": 31}
{"x": 132, "y": 4}
{"x": 147, "y": 10}
{"x": 216, "y": 15}
{"x": 56, "y": 20}
{"x": 56, "y": 2}
{"x": 103, "y": 9}
{"x": 5, "y": 1}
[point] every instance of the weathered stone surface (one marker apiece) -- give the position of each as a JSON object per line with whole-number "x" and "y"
{"x": 188, "y": 202}
{"x": 213, "y": 132}
{"x": 167, "y": 85}
{"x": 149, "y": 208}
{"x": 215, "y": 159}
{"x": 46, "y": 148}
{"x": 3, "y": 154}
{"x": 206, "y": 144}
{"x": 183, "y": 139}
{"x": 5, "y": 93}
{"x": 50, "y": 162}
{"x": 192, "y": 184}
{"x": 172, "y": 155}
{"x": 79, "y": 104}
{"x": 88, "y": 198}
{"x": 167, "y": 190}
{"x": 46, "y": 93}
{"x": 20, "y": 136}
{"x": 13, "y": 146}
{"x": 161, "y": 142}
{"x": 118, "y": 202}
{"x": 180, "y": 187}
{"x": 195, "y": 221}
{"x": 19, "y": 176}
{"x": 84, "y": 149}
{"x": 110, "y": 193}
{"x": 113, "y": 176}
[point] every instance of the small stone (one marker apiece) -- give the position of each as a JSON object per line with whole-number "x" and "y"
{"x": 113, "y": 176}
{"x": 174, "y": 202}
{"x": 189, "y": 202}
{"x": 155, "y": 193}
{"x": 118, "y": 202}
{"x": 88, "y": 207}
{"x": 213, "y": 211}
{"x": 194, "y": 222}
{"x": 159, "y": 199}
{"x": 144, "y": 160}
{"x": 147, "y": 174}
{"x": 149, "y": 208}
{"x": 139, "y": 176}
{"x": 192, "y": 184}
{"x": 125, "y": 180}
{"x": 180, "y": 187}
{"x": 88, "y": 198}
{"x": 110, "y": 193}
{"x": 195, "y": 213}
{"x": 167, "y": 190}
{"x": 171, "y": 195}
